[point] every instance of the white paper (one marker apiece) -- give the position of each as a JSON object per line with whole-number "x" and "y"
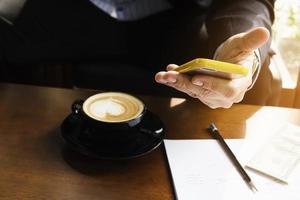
{"x": 279, "y": 156}
{"x": 201, "y": 170}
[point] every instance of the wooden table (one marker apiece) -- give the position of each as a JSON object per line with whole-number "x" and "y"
{"x": 35, "y": 164}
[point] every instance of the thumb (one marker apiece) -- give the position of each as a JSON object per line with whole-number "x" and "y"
{"x": 253, "y": 39}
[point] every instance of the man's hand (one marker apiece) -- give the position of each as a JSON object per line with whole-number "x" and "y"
{"x": 217, "y": 92}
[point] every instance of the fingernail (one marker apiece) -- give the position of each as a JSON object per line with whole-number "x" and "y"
{"x": 199, "y": 83}
{"x": 162, "y": 81}
{"x": 172, "y": 80}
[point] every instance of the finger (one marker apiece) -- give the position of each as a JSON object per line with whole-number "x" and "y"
{"x": 183, "y": 83}
{"x": 253, "y": 39}
{"x": 225, "y": 88}
{"x": 171, "y": 67}
{"x": 239, "y": 98}
{"x": 217, "y": 103}
{"x": 165, "y": 77}
{"x": 159, "y": 77}
{"x": 209, "y": 104}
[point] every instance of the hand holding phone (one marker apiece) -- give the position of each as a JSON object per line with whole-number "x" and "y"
{"x": 213, "y": 68}
{"x": 210, "y": 89}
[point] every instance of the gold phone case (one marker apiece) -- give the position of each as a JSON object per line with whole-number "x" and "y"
{"x": 213, "y": 68}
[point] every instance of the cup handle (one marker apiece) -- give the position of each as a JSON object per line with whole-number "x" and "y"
{"x": 155, "y": 133}
{"x": 77, "y": 106}
{"x": 152, "y": 125}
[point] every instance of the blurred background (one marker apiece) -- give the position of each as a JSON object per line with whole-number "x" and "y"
{"x": 286, "y": 44}
{"x": 285, "y": 67}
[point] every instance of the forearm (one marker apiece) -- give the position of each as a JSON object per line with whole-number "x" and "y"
{"x": 232, "y": 17}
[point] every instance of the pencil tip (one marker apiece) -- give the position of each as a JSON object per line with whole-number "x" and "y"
{"x": 252, "y": 186}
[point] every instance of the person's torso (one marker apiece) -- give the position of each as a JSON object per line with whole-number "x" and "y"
{"x": 130, "y": 10}
{"x": 123, "y": 10}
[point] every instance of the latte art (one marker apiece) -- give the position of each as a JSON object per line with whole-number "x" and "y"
{"x": 107, "y": 107}
{"x": 113, "y": 107}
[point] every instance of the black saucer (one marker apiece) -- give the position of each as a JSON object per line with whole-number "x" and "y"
{"x": 73, "y": 129}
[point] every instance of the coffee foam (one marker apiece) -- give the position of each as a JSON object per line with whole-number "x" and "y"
{"x": 113, "y": 107}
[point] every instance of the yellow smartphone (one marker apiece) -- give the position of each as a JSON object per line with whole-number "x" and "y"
{"x": 213, "y": 68}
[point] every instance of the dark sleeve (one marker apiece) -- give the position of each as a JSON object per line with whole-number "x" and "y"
{"x": 230, "y": 17}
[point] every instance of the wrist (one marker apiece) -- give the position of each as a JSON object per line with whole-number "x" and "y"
{"x": 256, "y": 66}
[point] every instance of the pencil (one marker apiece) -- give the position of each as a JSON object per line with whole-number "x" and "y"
{"x": 216, "y": 134}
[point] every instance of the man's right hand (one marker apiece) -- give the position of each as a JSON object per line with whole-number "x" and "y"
{"x": 218, "y": 92}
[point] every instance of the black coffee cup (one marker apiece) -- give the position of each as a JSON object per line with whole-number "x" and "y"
{"x": 115, "y": 124}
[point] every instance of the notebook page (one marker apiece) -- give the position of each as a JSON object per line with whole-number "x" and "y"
{"x": 279, "y": 156}
{"x": 201, "y": 170}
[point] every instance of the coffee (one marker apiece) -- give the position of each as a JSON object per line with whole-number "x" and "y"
{"x": 112, "y": 125}
{"x": 113, "y": 107}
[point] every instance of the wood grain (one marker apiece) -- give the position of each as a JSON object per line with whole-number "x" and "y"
{"x": 35, "y": 163}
